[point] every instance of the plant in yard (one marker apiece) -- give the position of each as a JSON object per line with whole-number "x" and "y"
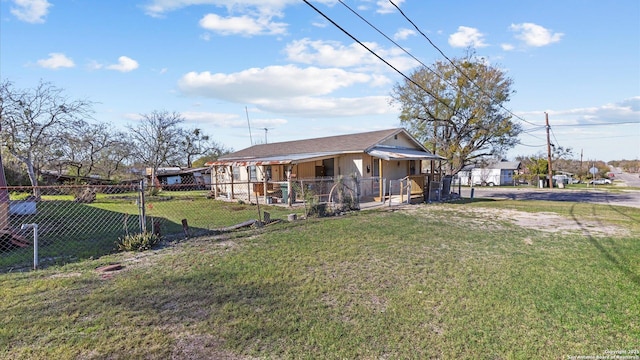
{"x": 85, "y": 195}
{"x": 137, "y": 242}
{"x": 343, "y": 197}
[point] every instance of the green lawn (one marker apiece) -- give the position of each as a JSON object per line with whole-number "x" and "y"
{"x": 70, "y": 231}
{"x": 437, "y": 281}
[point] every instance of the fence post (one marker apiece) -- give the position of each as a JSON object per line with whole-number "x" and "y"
{"x": 35, "y": 242}
{"x": 141, "y": 208}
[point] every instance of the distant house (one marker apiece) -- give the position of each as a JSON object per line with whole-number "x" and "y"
{"x": 176, "y": 178}
{"x": 380, "y": 155}
{"x": 490, "y": 174}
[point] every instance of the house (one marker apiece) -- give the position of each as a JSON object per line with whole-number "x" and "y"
{"x": 490, "y": 174}
{"x": 379, "y": 157}
{"x": 176, "y": 178}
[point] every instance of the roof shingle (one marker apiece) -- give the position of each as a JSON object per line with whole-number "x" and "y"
{"x": 342, "y": 143}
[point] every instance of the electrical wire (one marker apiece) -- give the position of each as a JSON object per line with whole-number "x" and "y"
{"x": 456, "y": 66}
{"x": 601, "y": 124}
{"x": 420, "y": 62}
{"x": 378, "y": 56}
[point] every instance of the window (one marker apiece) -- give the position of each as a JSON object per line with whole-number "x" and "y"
{"x": 236, "y": 173}
{"x": 253, "y": 175}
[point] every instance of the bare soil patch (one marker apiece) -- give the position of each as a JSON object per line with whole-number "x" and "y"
{"x": 542, "y": 221}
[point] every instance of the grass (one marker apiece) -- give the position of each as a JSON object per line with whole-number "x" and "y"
{"x": 436, "y": 281}
{"x": 69, "y": 231}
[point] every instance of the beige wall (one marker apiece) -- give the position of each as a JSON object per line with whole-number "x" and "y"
{"x": 351, "y": 164}
{"x": 401, "y": 140}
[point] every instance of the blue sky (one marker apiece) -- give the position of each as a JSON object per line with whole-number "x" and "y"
{"x": 298, "y": 76}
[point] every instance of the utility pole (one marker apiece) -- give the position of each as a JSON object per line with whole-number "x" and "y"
{"x": 249, "y": 124}
{"x": 550, "y": 172}
{"x": 581, "y": 153}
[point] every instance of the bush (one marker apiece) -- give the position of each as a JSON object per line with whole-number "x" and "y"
{"x": 137, "y": 242}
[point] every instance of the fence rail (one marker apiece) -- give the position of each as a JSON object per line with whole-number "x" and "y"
{"x": 79, "y": 222}
{"x": 82, "y": 221}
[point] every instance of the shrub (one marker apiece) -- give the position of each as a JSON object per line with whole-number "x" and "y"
{"x": 137, "y": 242}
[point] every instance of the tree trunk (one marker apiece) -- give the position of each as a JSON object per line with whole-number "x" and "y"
{"x": 33, "y": 178}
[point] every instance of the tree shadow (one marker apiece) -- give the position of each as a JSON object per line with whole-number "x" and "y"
{"x": 615, "y": 256}
{"x": 70, "y": 232}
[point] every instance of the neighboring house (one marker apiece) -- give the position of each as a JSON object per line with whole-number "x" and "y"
{"x": 493, "y": 173}
{"x": 563, "y": 177}
{"x": 183, "y": 179}
{"x": 386, "y": 154}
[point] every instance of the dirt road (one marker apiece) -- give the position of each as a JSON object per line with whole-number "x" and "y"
{"x": 618, "y": 197}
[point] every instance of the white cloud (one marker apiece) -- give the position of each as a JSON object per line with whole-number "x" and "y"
{"x": 403, "y": 34}
{"x": 385, "y": 7}
{"x": 125, "y": 64}
{"x": 242, "y": 25}
{"x": 467, "y": 36}
{"x": 327, "y": 53}
{"x": 56, "y": 61}
{"x": 535, "y": 35}
{"x": 335, "y": 54}
{"x": 507, "y": 47}
{"x": 290, "y": 90}
{"x": 330, "y": 107}
{"x": 31, "y": 11}
{"x": 274, "y": 82}
{"x": 158, "y": 8}
{"x": 627, "y": 110}
{"x": 218, "y": 120}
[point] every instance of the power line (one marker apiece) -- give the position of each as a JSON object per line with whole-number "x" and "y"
{"x": 378, "y": 56}
{"x": 602, "y": 124}
{"x": 456, "y": 66}
{"x": 421, "y": 63}
{"x": 541, "y": 145}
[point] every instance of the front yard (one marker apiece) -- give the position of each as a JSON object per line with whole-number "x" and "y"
{"x": 487, "y": 279}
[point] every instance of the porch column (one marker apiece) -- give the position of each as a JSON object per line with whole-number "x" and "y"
{"x": 289, "y": 187}
{"x": 381, "y": 190}
{"x": 264, "y": 183}
{"x": 214, "y": 181}
{"x": 248, "y": 185}
{"x": 231, "y": 176}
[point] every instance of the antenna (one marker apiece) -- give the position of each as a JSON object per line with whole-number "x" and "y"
{"x": 249, "y": 124}
{"x": 265, "y": 134}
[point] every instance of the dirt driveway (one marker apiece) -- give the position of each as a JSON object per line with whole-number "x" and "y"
{"x": 618, "y": 197}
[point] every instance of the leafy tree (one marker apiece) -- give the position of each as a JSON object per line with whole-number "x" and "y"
{"x": 212, "y": 155}
{"x": 33, "y": 120}
{"x": 458, "y": 116}
{"x": 157, "y": 139}
{"x": 195, "y": 143}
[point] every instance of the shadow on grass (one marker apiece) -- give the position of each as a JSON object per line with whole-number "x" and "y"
{"x": 474, "y": 200}
{"x": 70, "y": 231}
{"x": 601, "y": 197}
{"x": 615, "y": 256}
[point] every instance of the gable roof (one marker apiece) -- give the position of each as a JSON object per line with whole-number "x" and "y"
{"x": 497, "y": 165}
{"x": 502, "y": 165}
{"x": 326, "y": 147}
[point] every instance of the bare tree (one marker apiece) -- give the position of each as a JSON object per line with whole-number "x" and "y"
{"x": 32, "y": 121}
{"x": 85, "y": 146}
{"x": 157, "y": 139}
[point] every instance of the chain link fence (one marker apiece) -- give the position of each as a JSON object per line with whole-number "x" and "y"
{"x": 59, "y": 224}
{"x": 67, "y": 223}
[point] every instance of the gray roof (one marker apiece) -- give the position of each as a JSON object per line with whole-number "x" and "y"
{"x": 317, "y": 148}
{"x": 503, "y": 165}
